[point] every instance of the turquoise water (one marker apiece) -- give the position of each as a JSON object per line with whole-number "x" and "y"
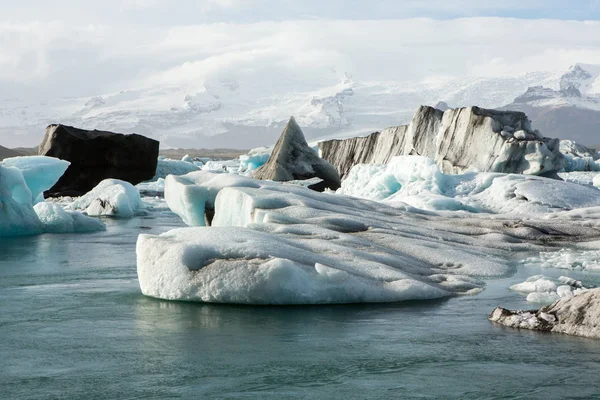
{"x": 74, "y": 325}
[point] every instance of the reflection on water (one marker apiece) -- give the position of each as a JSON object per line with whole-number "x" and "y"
{"x": 73, "y": 324}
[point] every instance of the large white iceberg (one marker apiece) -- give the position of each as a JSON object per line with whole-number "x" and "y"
{"x": 40, "y": 172}
{"x": 274, "y": 243}
{"x": 111, "y": 197}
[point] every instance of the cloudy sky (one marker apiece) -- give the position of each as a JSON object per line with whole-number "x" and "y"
{"x": 72, "y": 48}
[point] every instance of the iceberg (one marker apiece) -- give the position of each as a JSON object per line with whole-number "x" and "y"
{"x": 40, "y": 172}
{"x": 167, "y": 166}
{"x": 570, "y": 259}
{"x": 546, "y": 290}
{"x": 459, "y": 139}
{"x": 254, "y": 159}
{"x": 276, "y": 243}
{"x": 17, "y": 216}
{"x": 111, "y": 197}
{"x": 418, "y": 181}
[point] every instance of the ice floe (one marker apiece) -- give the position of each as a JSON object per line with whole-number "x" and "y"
{"x": 111, "y": 197}
{"x": 546, "y": 290}
{"x": 275, "y": 243}
{"x": 566, "y": 259}
{"x": 167, "y": 166}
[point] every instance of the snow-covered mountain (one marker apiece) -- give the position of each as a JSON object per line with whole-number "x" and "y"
{"x": 240, "y": 112}
{"x": 568, "y": 107}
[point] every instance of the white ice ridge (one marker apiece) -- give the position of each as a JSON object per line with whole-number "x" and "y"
{"x": 111, "y": 197}
{"x": 419, "y": 182}
{"x": 546, "y": 290}
{"x": 272, "y": 243}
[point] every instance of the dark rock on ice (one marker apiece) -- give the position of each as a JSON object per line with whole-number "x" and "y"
{"x": 98, "y": 155}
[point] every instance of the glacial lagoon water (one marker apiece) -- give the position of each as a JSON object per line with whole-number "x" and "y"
{"x": 74, "y": 325}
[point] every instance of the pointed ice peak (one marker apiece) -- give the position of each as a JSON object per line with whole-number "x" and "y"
{"x": 292, "y": 133}
{"x": 293, "y": 159}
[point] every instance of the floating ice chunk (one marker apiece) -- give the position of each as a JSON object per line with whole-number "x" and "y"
{"x": 167, "y": 166}
{"x": 230, "y": 166}
{"x": 254, "y": 159}
{"x": 265, "y": 226}
{"x": 537, "y": 283}
{"x": 187, "y": 158}
{"x": 566, "y": 259}
{"x": 542, "y": 297}
{"x": 17, "y": 216}
{"x": 111, "y": 197}
{"x": 56, "y": 220}
{"x": 238, "y": 265}
{"x": 188, "y": 196}
{"x": 152, "y": 188}
{"x": 545, "y": 290}
{"x": 40, "y": 172}
{"x": 417, "y": 181}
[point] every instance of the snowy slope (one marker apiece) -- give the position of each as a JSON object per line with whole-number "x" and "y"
{"x": 243, "y": 112}
{"x": 567, "y": 106}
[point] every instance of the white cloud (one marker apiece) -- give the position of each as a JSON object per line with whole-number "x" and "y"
{"x": 45, "y": 54}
